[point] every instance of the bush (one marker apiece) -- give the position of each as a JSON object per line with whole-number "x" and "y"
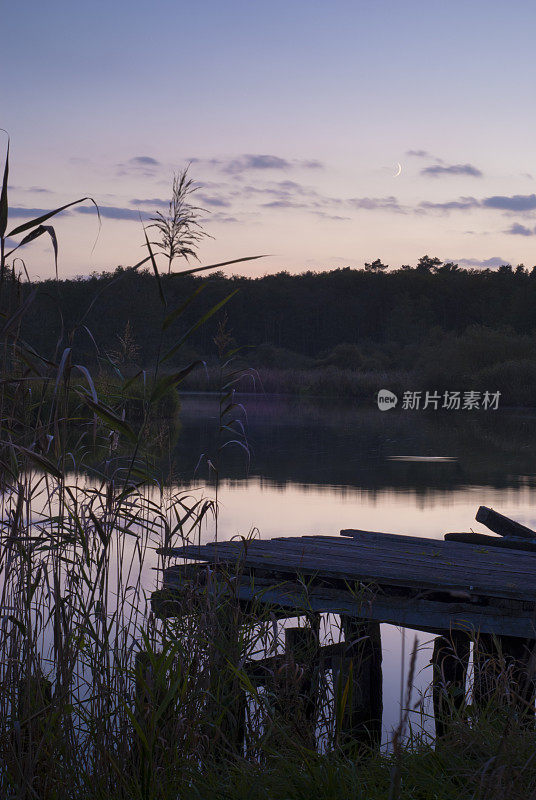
{"x": 516, "y": 381}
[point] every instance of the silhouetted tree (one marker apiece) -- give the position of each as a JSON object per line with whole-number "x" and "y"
{"x": 427, "y": 264}
{"x": 376, "y": 266}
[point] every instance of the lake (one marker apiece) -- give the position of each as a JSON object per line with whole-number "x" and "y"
{"x": 317, "y": 466}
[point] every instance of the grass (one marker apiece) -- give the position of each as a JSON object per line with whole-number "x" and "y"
{"x": 100, "y": 697}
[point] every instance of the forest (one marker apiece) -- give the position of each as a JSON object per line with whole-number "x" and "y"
{"x": 341, "y": 331}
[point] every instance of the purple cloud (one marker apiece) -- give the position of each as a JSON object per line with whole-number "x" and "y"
{"x": 436, "y": 170}
{"x": 516, "y": 202}
{"x": 375, "y": 203}
{"x": 248, "y": 162}
{"x": 284, "y": 204}
{"x": 144, "y": 161}
{"x": 113, "y": 212}
{"x": 149, "y": 201}
{"x": 218, "y": 202}
{"x": 17, "y": 211}
{"x": 520, "y": 230}
{"x": 462, "y": 204}
{"x": 486, "y": 263}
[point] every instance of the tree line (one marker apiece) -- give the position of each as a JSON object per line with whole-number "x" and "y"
{"x": 349, "y": 317}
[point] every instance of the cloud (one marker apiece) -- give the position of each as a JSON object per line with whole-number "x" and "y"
{"x": 114, "y": 212}
{"x": 516, "y": 229}
{"x": 255, "y": 162}
{"x": 36, "y": 189}
{"x": 284, "y": 204}
{"x": 517, "y": 202}
{"x": 436, "y": 170}
{"x": 157, "y": 202}
{"x": 376, "y": 203}
{"x": 209, "y": 200}
{"x": 258, "y": 162}
{"x": 487, "y": 263}
{"x": 18, "y": 211}
{"x": 144, "y": 161}
{"x": 462, "y": 204}
{"x": 290, "y": 194}
{"x": 218, "y": 216}
{"x": 149, "y": 201}
{"x": 145, "y": 166}
{"x": 279, "y": 189}
{"x": 419, "y": 153}
{"x": 335, "y": 217}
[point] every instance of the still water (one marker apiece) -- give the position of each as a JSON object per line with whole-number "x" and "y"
{"x": 317, "y": 467}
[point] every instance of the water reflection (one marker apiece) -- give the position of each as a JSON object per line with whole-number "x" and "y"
{"x": 325, "y": 443}
{"x": 318, "y": 467}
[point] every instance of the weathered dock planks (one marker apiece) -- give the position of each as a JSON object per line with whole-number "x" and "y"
{"x": 459, "y": 589}
{"x": 426, "y": 584}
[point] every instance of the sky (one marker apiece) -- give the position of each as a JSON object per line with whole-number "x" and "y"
{"x": 296, "y": 118}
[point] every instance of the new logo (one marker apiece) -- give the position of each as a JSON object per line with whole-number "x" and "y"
{"x": 386, "y": 400}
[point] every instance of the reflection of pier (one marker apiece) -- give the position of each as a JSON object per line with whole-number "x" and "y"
{"x": 475, "y": 588}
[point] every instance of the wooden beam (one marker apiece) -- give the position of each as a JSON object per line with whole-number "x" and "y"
{"x": 502, "y": 525}
{"x": 483, "y": 540}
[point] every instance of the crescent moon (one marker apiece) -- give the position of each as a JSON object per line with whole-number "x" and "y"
{"x": 398, "y": 169}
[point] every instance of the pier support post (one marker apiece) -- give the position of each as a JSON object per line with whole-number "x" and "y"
{"x": 294, "y": 690}
{"x": 450, "y": 660}
{"x": 361, "y": 683}
{"x": 301, "y": 653}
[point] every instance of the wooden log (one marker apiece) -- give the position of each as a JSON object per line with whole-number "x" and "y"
{"x": 483, "y": 540}
{"x": 450, "y": 660}
{"x": 502, "y": 525}
{"x": 360, "y": 681}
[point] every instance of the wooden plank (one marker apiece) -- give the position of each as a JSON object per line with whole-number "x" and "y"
{"x": 416, "y": 613}
{"x": 431, "y": 546}
{"x": 444, "y": 555}
{"x": 502, "y": 525}
{"x": 397, "y": 547}
{"x": 506, "y": 576}
{"x": 483, "y": 540}
{"x": 391, "y": 573}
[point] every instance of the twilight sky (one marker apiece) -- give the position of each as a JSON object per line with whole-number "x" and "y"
{"x": 294, "y": 115}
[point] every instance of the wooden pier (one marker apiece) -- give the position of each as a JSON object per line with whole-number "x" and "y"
{"x": 461, "y": 591}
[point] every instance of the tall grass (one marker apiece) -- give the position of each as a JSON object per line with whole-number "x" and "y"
{"x": 102, "y": 697}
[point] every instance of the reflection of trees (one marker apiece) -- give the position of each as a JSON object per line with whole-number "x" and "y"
{"x": 322, "y": 442}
